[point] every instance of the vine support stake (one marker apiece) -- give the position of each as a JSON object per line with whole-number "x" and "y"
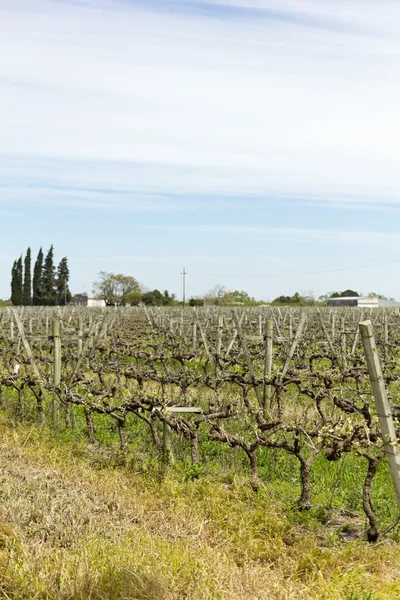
{"x": 80, "y": 335}
{"x": 167, "y": 444}
{"x": 57, "y": 352}
{"x": 267, "y": 364}
{"x": 382, "y": 404}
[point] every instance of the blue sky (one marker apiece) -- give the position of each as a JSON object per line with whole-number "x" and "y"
{"x": 254, "y": 142}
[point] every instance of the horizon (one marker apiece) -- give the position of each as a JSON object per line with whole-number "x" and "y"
{"x": 253, "y": 143}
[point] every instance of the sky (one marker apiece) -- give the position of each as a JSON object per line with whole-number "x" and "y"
{"x": 254, "y": 143}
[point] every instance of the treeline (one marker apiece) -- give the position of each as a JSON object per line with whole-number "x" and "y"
{"x": 48, "y": 286}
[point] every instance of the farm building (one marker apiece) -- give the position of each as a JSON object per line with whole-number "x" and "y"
{"x": 363, "y": 302}
{"x": 90, "y": 301}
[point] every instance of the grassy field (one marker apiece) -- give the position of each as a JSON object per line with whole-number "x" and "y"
{"x": 74, "y": 525}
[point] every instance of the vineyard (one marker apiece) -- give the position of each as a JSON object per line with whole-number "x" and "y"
{"x": 278, "y": 397}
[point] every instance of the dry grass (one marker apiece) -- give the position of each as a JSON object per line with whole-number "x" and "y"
{"x": 71, "y": 531}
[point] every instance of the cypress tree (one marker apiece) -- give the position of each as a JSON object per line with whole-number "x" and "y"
{"x": 49, "y": 279}
{"x": 13, "y": 281}
{"x": 27, "y": 292}
{"x": 63, "y": 293}
{"x": 18, "y": 277}
{"x": 37, "y": 279}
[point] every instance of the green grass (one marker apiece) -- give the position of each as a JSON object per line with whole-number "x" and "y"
{"x": 76, "y": 525}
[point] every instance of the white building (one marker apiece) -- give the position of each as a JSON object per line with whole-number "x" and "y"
{"x": 90, "y": 301}
{"x": 363, "y": 302}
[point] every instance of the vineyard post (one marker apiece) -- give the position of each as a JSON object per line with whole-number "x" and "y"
{"x": 386, "y": 333}
{"x": 11, "y": 331}
{"x": 56, "y": 362}
{"x": 267, "y": 363}
{"x": 167, "y": 444}
{"x": 194, "y": 335}
{"x": 330, "y": 342}
{"x": 57, "y": 352}
{"x": 80, "y": 335}
{"x": 382, "y": 404}
{"x": 181, "y": 324}
{"x": 353, "y": 349}
{"x": 343, "y": 342}
{"x": 219, "y": 334}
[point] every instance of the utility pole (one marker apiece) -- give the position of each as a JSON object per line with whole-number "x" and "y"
{"x": 184, "y": 273}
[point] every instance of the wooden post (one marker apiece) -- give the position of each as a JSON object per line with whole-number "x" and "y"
{"x": 331, "y": 346}
{"x": 57, "y": 352}
{"x": 167, "y": 444}
{"x": 386, "y": 334}
{"x": 290, "y": 326}
{"x": 11, "y": 331}
{"x": 260, "y": 331}
{"x": 382, "y": 404}
{"x": 194, "y": 336}
{"x": 80, "y": 335}
{"x": 343, "y": 342}
{"x": 267, "y": 364}
{"x": 219, "y": 334}
{"x": 56, "y": 364}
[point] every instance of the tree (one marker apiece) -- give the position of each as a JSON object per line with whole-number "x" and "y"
{"x": 13, "y": 281}
{"x": 351, "y": 293}
{"x": 196, "y": 302}
{"x": 133, "y": 298}
{"x": 48, "y": 280}
{"x": 242, "y": 297}
{"x": 37, "y": 279}
{"x": 27, "y": 291}
{"x": 63, "y": 292}
{"x": 216, "y": 294}
{"x": 156, "y": 298}
{"x": 115, "y": 288}
{"x": 16, "y": 282}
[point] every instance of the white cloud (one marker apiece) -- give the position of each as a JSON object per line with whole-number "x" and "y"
{"x": 207, "y": 105}
{"x": 292, "y": 233}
